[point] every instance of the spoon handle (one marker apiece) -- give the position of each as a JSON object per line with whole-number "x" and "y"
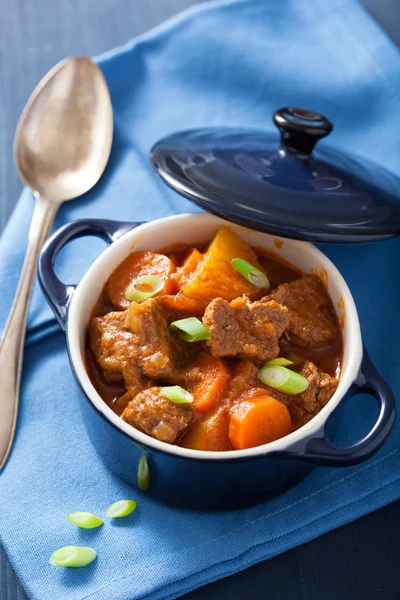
{"x": 12, "y": 343}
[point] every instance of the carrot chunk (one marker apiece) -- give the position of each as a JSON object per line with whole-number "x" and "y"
{"x": 210, "y": 383}
{"x": 136, "y": 265}
{"x": 209, "y": 433}
{"x": 257, "y": 420}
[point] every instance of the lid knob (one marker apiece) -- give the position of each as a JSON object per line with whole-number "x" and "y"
{"x": 301, "y": 129}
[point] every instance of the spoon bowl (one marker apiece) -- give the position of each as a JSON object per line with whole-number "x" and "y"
{"x": 64, "y": 135}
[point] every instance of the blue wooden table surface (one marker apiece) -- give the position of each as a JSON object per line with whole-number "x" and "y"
{"x": 357, "y": 562}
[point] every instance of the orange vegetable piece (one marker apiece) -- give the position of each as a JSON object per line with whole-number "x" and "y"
{"x": 136, "y": 265}
{"x": 212, "y": 381}
{"x": 189, "y": 265}
{"x": 258, "y": 419}
{"x": 173, "y": 258}
{"x": 181, "y": 304}
{"x": 209, "y": 433}
{"x": 122, "y": 402}
{"x": 215, "y": 276}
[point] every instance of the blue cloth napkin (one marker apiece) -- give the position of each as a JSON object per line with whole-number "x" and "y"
{"x": 224, "y": 63}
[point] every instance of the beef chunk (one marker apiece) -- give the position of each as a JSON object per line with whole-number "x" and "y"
{"x": 112, "y": 345}
{"x": 327, "y": 387}
{"x": 321, "y": 388}
{"x": 151, "y": 412}
{"x": 135, "y": 345}
{"x": 312, "y": 322}
{"x": 109, "y": 341}
{"x": 303, "y": 407}
{"x": 152, "y": 342}
{"x": 244, "y": 378}
{"x": 244, "y": 328}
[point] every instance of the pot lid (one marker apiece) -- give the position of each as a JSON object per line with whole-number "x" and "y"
{"x": 288, "y": 188}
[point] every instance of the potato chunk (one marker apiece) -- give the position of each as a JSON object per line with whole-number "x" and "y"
{"x": 215, "y": 274}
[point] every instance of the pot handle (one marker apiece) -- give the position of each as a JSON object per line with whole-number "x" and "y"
{"x": 57, "y": 293}
{"x": 321, "y": 451}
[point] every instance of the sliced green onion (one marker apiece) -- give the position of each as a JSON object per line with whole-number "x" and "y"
{"x": 85, "y": 520}
{"x": 143, "y": 475}
{"x": 252, "y": 274}
{"x": 152, "y": 282}
{"x": 72, "y": 556}
{"x": 177, "y": 395}
{"x": 122, "y": 508}
{"x": 279, "y": 362}
{"x": 282, "y": 379}
{"x": 190, "y": 329}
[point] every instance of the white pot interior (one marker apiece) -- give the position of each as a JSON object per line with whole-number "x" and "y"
{"x": 199, "y": 228}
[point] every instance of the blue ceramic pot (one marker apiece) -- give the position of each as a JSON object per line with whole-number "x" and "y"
{"x": 192, "y": 477}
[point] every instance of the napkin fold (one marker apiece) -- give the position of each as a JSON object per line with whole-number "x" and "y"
{"x": 224, "y": 63}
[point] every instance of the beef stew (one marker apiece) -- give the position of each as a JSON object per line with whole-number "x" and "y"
{"x": 133, "y": 354}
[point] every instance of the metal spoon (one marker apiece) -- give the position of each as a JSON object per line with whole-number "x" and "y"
{"x": 62, "y": 145}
